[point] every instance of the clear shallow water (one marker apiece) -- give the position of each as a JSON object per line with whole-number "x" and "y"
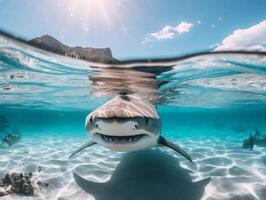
{"x": 208, "y": 104}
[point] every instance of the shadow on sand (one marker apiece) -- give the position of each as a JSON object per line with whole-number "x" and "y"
{"x": 146, "y": 175}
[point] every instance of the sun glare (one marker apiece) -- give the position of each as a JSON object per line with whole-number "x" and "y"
{"x": 90, "y": 12}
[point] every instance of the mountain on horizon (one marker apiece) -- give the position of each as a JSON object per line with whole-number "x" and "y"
{"x": 49, "y": 43}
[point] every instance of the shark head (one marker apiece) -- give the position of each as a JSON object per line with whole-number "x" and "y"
{"x": 124, "y": 134}
{"x": 126, "y": 123}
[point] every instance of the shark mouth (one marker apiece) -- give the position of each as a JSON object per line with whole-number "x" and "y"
{"x": 121, "y": 139}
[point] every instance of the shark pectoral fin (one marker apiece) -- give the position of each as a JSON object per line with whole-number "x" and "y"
{"x": 88, "y": 144}
{"x": 175, "y": 147}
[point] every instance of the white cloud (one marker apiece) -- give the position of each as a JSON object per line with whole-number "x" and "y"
{"x": 183, "y": 27}
{"x": 168, "y": 32}
{"x": 252, "y": 38}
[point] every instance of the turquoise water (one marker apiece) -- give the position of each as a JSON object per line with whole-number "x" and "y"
{"x": 207, "y": 103}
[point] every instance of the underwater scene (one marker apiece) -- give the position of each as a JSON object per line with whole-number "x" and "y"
{"x": 200, "y": 124}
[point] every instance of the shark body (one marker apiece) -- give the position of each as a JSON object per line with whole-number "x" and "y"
{"x": 149, "y": 174}
{"x": 127, "y": 123}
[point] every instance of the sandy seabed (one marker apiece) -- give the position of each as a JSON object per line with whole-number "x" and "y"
{"x": 221, "y": 170}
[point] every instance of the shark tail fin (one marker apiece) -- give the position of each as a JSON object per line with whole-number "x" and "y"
{"x": 252, "y": 142}
{"x": 175, "y": 147}
{"x": 204, "y": 182}
{"x": 88, "y": 144}
{"x": 88, "y": 186}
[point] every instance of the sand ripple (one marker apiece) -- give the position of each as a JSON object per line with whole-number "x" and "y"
{"x": 235, "y": 173}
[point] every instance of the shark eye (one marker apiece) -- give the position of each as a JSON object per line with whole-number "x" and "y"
{"x": 136, "y": 126}
{"x": 91, "y": 120}
{"x": 96, "y": 125}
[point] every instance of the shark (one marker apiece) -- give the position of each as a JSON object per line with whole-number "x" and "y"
{"x": 127, "y": 123}
{"x": 254, "y": 139}
{"x": 10, "y": 139}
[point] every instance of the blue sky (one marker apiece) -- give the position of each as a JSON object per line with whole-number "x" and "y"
{"x": 141, "y": 28}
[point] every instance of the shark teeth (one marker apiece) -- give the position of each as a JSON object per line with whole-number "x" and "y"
{"x": 121, "y": 139}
